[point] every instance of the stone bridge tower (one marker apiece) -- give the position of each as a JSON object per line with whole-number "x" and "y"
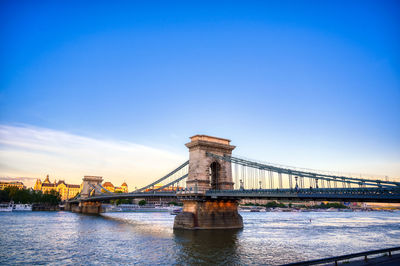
{"x": 206, "y": 172}
{"x": 201, "y": 211}
{"x": 88, "y": 182}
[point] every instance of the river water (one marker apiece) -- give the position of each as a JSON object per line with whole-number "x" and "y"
{"x": 64, "y": 238}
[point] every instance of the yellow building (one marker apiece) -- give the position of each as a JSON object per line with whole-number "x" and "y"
{"x": 110, "y": 187}
{"x": 123, "y": 188}
{"x": 66, "y": 191}
{"x": 17, "y": 184}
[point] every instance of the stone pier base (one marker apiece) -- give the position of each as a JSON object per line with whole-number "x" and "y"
{"x": 87, "y": 208}
{"x": 209, "y": 214}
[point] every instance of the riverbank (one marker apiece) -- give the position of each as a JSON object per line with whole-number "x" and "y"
{"x": 46, "y": 207}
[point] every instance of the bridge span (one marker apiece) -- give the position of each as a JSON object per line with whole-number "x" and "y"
{"x": 212, "y": 182}
{"x": 332, "y": 194}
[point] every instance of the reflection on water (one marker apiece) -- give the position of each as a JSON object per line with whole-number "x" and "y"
{"x": 207, "y": 246}
{"x": 148, "y": 238}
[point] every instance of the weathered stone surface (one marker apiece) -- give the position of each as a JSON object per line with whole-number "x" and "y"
{"x": 76, "y": 208}
{"x": 199, "y": 163}
{"x": 91, "y": 209}
{"x": 88, "y": 182}
{"x": 87, "y": 208}
{"x": 185, "y": 220}
{"x": 209, "y": 214}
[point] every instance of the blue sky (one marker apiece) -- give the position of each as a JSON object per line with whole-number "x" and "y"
{"x": 304, "y": 83}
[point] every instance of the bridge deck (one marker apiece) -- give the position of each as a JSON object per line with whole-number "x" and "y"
{"x": 328, "y": 194}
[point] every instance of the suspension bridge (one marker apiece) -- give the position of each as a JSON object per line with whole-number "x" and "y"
{"x": 212, "y": 181}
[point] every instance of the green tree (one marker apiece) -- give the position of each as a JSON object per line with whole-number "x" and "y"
{"x": 29, "y": 196}
{"x": 142, "y": 203}
{"x": 274, "y": 204}
{"x": 4, "y": 196}
{"x": 121, "y": 201}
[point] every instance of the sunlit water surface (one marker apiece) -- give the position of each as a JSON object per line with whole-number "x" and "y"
{"x": 148, "y": 238}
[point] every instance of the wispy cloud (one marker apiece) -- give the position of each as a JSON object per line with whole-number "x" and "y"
{"x": 34, "y": 152}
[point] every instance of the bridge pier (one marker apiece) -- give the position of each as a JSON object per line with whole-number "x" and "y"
{"x": 86, "y": 207}
{"x": 209, "y": 214}
{"x": 90, "y": 207}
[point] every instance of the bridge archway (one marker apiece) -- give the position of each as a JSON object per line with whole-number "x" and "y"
{"x": 215, "y": 173}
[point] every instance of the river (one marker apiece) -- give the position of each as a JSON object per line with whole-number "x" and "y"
{"x": 271, "y": 238}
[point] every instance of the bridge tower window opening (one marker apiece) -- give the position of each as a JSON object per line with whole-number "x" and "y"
{"x": 248, "y": 174}
{"x": 242, "y": 179}
{"x": 262, "y": 177}
{"x": 280, "y": 180}
{"x": 271, "y": 179}
{"x": 235, "y": 174}
{"x": 265, "y": 179}
{"x": 290, "y": 181}
{"x": 214, "y": 170}
{"x": 254, "y": 178}
{"x": 255, "y": 184}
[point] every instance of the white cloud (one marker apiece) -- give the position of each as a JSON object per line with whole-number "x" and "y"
{"x": 34, "y": 152}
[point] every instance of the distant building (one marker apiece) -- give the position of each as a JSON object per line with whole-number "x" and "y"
{"x": 158, "y": 186}
{"x": 110, "y": 187}
{"x": 123, "y": 188}
{"x": 66, "y": 191}
{"x": 17, "y": 184}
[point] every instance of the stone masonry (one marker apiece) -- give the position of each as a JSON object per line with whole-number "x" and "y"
{"x": 199, "y": 163}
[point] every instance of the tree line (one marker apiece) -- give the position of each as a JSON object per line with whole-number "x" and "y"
{"x": 25, "y": 196}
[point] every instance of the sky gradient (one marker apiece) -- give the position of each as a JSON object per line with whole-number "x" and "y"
{"x": 313, "y": 84}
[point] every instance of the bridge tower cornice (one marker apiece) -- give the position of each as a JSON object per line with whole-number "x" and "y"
{"x": 208, "y": 143}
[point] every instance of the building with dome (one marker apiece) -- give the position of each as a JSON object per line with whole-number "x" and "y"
{"x": 110, "y": 187}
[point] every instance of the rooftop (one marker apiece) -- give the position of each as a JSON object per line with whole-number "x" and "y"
{"x": 108, "y": 184}
{"x": 210, "y": 139}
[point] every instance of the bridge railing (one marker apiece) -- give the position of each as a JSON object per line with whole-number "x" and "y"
{"x": 336, "y": 259}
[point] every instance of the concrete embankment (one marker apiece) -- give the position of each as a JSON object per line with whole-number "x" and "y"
{"x": 45, "y": 207}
